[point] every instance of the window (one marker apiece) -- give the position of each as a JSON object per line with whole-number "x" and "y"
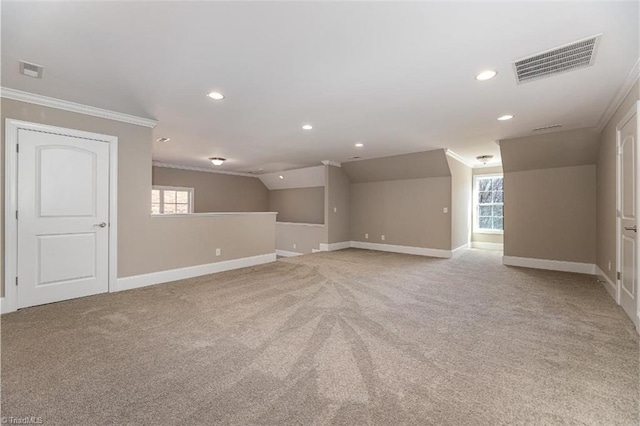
{"x": 171, "y": 200}
{"x": 488, "y": 203}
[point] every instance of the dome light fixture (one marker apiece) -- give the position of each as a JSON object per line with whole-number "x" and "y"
{"x": 484, "y": 159}
{"x": 217, "y": 161}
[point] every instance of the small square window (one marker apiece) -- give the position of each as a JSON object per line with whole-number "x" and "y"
{"x": 171, "y": 200}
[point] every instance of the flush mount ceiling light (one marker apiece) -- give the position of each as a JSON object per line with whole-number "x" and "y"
{"x": 307, "y": 127}
{"x": 163, "y": 139}
{"x": 486, "y": 75}
{"x": 359, "y": 145}
{"x": 281, "y": 177}
{"x": 505, "y": 117}
{"x": 217, "y": 161}
{"x": 216, "y": 96}
{"x": 484, "y": 159}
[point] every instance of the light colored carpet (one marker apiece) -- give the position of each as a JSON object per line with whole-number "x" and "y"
{"x": 350, "y": 337}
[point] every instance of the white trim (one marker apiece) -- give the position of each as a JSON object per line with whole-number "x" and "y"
{"x": 618, "y": 98}
{"x": 551, "y": 265}
{"x": 458, "y": 158}
{"x": 487, "y": 246}
{"x": 144, "y": 280}
{"x": 32, "y": 98}
{"x": 335, "y": 246}
{"x": 462, "y": 247}
{"x": 156, "y": 216}
{"x": 10, "y": 300}
{"x": 201, "y": 169}
{"x": 611, "y": 288}
{"x": 331, "y": 163}
{"x": 300, "y": 224}
{"x": 419, "y": 251}
{"x": 285, "y": 253}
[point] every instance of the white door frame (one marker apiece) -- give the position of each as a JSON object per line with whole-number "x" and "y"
{"x": 633, "y": 110}
{"x": 10, "y": 300}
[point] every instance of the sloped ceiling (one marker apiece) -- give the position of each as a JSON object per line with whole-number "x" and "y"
{"x": 560, "y": 149}
{"x": 298, "y": 178}
{"x": 407, "y": 166}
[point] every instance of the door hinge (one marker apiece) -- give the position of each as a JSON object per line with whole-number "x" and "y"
{"x": 16, "y": 280}
{"x": 16, "y": 214}
{"x": 619, "y": 150}
{"x": 619, "y": 275}
{"x": 17, "y": 147}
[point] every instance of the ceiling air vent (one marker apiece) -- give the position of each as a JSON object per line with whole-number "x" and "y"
{"x": 31, "y": 70}
{"x": 568, "y": 57}
{"x": 550, "y": 126}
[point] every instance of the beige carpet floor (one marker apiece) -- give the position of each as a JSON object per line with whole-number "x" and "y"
{"x": 351, "y": 337}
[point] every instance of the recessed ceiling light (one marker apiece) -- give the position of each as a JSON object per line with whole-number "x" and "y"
{"x": 217, "y": 161}
{"x": 486, "y": 75}
{"x": 281, "y": 177}
{"x": 307, "y": 127}
{"x": 505, "y": 117}
{"x": 359, "y": 145}
{"x": 163, "y": 139}
{"x": 216, "y": 95}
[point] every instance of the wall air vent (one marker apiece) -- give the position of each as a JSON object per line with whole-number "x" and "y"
{"x": 550, "y": 126}
{"x": 568, "y": 57}
{"x": 31, "y": 70}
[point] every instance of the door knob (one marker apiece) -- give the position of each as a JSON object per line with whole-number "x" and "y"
{"x": 631, "y": 228}
{"x": 101, "y": 225}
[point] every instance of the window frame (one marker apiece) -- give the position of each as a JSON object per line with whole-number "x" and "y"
{"x": 476, "y": 204}
{"x": 163, "y": 188}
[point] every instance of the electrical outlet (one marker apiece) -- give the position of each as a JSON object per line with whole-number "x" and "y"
{"x": 335, "y": 210}
{"x": 445, "y": 210}
{"x": 218, "y": 252}
{"x": 294, "y": 245}
{"x": 383, "y": 238}
{"x": 609, "y": 266}
{"x": 366, "y": 236}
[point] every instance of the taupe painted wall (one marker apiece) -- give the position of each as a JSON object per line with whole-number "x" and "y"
{"x": 398, "y": 167}
{"x": 337, "y": 211}
{"x": 305, "y": 237}
{"x": 461, "y": 184}
{"x": 551, "y": 214}
{"x": 299, "y": 205}
{"x": 606, "y": 188}
{"x": 407, "y": 212}
{"x": 485, "y": 238}
{"x": 217, "y": 192}
{"x": 147, "y": 244}
{"x": 556, "y": 149}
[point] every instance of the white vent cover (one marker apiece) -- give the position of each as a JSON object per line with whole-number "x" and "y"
{"x": 31, "y": 70}
{"x": 550, "y": 126}
{"x": 568, "y": 57}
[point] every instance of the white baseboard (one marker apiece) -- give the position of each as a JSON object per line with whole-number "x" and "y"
{"x": 551, "y": 265}
{"x": 459, "y": 250}
{"x": 335, "y": 246}
{"x": 3, "y": 307}
{"x": 153, "y": 278}
{"x": 487, "y": 246}
{"x": 420, "y": 251}
{"x": 609, "y": 285}
{"x": 285, "y": 253}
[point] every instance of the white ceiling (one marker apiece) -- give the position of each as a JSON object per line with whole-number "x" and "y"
{"x": 398, "y": 77}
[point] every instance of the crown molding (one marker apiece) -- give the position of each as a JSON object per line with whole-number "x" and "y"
{"x": 458, "y": 158}
{"x": 622, "y": 93}
{"x": 331, "y": 163}
{"x": 202, "y": 169}
{"x": 32, "y": 98}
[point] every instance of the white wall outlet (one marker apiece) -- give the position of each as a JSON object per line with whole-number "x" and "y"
{"x": 383, "y": 238}
{"x": 609, "y": 266}
{"x": 218, "y": 252}
{"x": 294, "y": 245}
{"x": 445, "y": 210}
{"x": 335, "y": 210}
{"x": 366, "y": 236}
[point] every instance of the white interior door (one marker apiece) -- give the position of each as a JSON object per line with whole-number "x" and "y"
{"x": 628, "y": 218}
{"x": 63, "y": 217}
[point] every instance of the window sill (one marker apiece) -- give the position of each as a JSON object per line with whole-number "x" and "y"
{"x": 211, "y": 214}
{"x": 488, "y": 231}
